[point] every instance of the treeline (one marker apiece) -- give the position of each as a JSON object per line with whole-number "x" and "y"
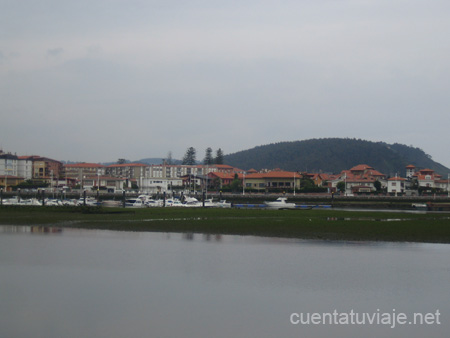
{"x": 190, "y": 157}
{"x": 332, "y": 155}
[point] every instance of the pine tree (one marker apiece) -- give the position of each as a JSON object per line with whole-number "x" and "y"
{"x": 219, "y": 157}
{"x": 208, "y": 160}
{"x": 169, "y": 159}
{"x": 189, "y": 158}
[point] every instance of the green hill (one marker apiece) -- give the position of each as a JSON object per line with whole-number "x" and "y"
{"x": 333, "y": 155}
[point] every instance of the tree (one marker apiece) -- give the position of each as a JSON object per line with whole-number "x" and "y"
{"x": 236, "y": 184}
{"x": 377, "y": 185}
{"x": 208, "y": 160}
{"x": 341, "y": 186}
{"x": 219, "y": 157}
{"x": 121, "y": 161}
{"x": 169, "y": 159}
{"x": 190, "y": 156}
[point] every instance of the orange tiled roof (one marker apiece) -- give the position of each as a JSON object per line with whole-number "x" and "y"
{"x": 397, "y": 179}
{"x": 127, "y": 165}
{"x": 84, "y": 165}
{"x": 361, "y": 167}
{"x": 274, "y": 174}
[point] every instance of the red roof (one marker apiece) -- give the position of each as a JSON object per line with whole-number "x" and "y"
{"x": 274, "y": 174}
{"x": 410, "y": 166}
{"x": 361, "y": 167}
{"x": 397, "y": 179}
{"x": 84, "y": 165}
{"x": 127, "y": 165}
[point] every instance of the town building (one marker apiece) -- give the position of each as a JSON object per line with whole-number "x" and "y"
{"x": 396, "y": 185}
{"x": 80, "y": 170}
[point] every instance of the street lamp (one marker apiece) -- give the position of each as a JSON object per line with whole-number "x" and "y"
{"x": 294, "y": 183}
{"x": 98, "y": 183}
{"x": 243, "y": 184}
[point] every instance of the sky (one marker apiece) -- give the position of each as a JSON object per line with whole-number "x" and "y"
{"x": 99, "y": 80}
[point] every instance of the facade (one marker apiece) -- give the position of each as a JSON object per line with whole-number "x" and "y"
{"x": 426, "y": 178}
{"x": 396, "y": 185}
{"x": 158, "y": 185}
{"x": 45, "y": 168}
{"x": 8, "y": 181}
{"x": 410, "y": 171}
{"x": 276, "y": 179}
{"x": 13, "y": 170}
{"x": 104, "y": 182}
{"x": 80, "y": 170}
{"x": 126, "y": 170}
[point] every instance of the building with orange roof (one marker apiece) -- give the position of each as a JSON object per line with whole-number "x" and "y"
{"x": 273, "y": 180}
{"x": 80, "y": 170}
{"x": 360, "y": 179}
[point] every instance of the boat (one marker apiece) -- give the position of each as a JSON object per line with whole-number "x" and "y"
{"x": 192, "y": 202}
{"x": 90, "y": 201}
{"x": 223, "y": 204}
{"x": 134, "y": 203}
{"x": 280, "y": 203}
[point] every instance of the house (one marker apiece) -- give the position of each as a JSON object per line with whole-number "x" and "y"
{"x": 426, "y": 178}
{"x": 274, "y": 180}
{"x": 220, "y": 179}
{"x": 396, "y": 185}
{"x": 360, "y": 179}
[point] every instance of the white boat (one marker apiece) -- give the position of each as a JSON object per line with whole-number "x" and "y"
{"x": 280, "y": 203}
{"x": 192, "y": 202}
{"x": 11, "y": 201}
{"x": 153, "y": 203}
{"x": 90, "y": 201}
{"x": 134, "y": 203}
{"x": 173, "y": 202}
{"x": 31, "y": 201}
{"x": 223, "y": 204}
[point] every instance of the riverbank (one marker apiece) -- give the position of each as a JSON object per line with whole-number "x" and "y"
{"x": 306, "y": 224}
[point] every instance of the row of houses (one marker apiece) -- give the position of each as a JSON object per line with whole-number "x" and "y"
{"x": 164, "y": 177}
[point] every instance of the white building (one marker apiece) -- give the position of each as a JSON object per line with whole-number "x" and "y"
{"x": 396, "y": 185}
{"x": 158, "y": 185}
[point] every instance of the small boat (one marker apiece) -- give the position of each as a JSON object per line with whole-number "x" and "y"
{"x": 90, "y": 201}
{"x": 223, "y": 204}
{"x": 134, "y": 203}
{"x": 280, "y": 203}
{"x": 192, "y": 202}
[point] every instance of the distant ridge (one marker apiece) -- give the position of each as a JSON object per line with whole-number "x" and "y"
{"x": 332, "y": 155}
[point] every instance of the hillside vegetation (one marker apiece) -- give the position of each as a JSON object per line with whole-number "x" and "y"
{"x": 333, "y": 155}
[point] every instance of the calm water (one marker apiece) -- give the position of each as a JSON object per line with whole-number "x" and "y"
{"x": 83, "y": 283}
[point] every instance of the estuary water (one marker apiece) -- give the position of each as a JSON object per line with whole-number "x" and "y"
{"x": 88, "y": 283}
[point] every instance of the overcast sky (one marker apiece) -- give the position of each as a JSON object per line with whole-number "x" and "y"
{"x": 100, "y": 80}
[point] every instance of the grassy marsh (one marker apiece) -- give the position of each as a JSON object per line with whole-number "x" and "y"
{"x": 307, "y": 224}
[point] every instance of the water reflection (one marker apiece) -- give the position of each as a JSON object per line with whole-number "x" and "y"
{"x": 123, "y": 284}
{"x": 30, "y": 229}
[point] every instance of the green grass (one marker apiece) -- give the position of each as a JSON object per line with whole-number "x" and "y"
{"x": 308, "y": 224}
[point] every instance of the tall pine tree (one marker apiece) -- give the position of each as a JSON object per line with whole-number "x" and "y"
{"x": 190, "y": 156}
{"x": 208, "y": 160}
{"x": 219, "y": 157}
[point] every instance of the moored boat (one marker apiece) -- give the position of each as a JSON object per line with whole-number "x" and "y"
{"x": 280, "y": 203}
